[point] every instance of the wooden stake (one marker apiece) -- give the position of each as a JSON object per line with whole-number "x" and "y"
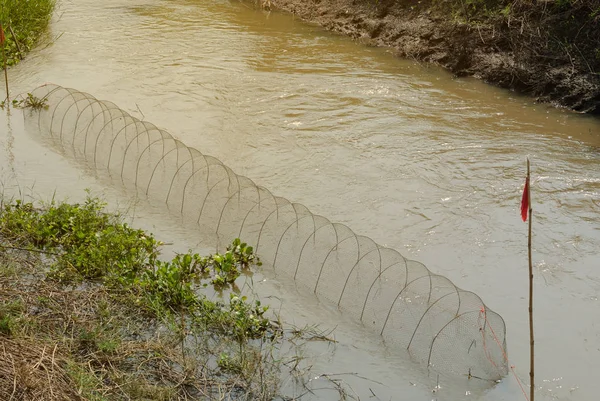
{"x": 5, "y": 68}
{"x": 531, "y": 339}
{"x": 12, "y": 33}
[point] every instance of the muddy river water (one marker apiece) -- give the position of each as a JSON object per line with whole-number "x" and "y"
{"x": 404, "y": 153}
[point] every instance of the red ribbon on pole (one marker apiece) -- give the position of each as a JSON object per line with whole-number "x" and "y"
{"x": 525, "y": 200}
{"x": 2, "y": 37}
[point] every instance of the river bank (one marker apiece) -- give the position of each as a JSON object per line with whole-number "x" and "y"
{"x": 548, "y": 49}
{"x": 23, "y": 22}
{"x": 89, "y": 311}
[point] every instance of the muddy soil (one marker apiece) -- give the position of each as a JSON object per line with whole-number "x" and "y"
{"x": 511, "y": 52}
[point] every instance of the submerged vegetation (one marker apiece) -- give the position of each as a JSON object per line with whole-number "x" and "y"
{"x": 89, "y": 310}
{"x": 23, "y": 21}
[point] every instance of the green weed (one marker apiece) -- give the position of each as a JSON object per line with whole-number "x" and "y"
{"x": 98, "y": 290}
{"x": 28, "y": 19}
{"x": 5, "y": 325}
{"x": 88, "y": 244}
{"x": 28, "y": 102}
{"x": 10, "y": 314}
{"x": 85, "y": 381}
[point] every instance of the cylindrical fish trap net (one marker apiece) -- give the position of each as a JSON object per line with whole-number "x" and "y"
{"x": 448, "y": 329}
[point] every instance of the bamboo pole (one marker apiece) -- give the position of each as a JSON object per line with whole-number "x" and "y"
{"x": 531, "y": 338}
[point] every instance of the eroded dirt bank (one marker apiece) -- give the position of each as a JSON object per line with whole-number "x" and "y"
{"x": 546, "y": 49}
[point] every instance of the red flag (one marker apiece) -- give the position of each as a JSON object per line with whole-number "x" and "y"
{"x": 2, "y": 37}
{"x": 525, "y": 200}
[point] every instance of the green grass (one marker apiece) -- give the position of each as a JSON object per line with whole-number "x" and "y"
{"x": 87, "y": 244}
{"x": 28, "y": 20}
{"x": 128, "y": 324}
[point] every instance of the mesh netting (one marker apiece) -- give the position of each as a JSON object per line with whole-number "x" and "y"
{"x": 441, "y": 325}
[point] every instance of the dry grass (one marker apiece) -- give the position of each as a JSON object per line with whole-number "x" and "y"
{"x": 33, "y": 371}
{"x": 64, "y": 342}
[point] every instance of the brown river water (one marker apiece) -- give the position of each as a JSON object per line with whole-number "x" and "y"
{"x": 404, "y": 153}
